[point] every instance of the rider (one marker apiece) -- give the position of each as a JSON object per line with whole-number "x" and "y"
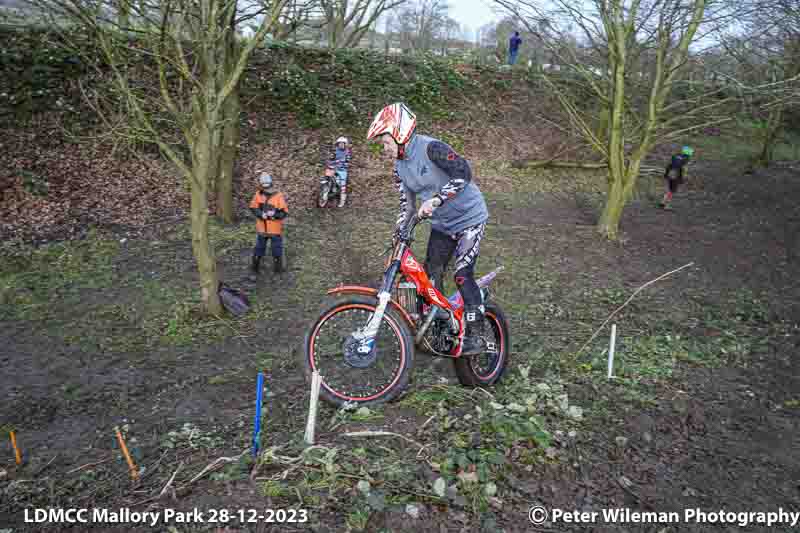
{"x": 432, "y": 170}
{"x": 673, "y": 174}
{"x": 340, "y": 160}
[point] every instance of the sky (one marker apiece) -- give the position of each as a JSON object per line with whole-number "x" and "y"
{"x": 472, "y": 13}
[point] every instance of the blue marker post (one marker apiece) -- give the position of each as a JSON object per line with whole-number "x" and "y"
{"x": 257, "y": 425}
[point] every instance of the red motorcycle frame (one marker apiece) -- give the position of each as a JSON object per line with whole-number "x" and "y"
{"x": 403, "y": 261}
{"x": 359, "y": 349}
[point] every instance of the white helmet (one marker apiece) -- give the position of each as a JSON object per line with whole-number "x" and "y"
{"x": 265, "y": 180}
{"x": 397, "y": 120}
{"x": 342, "y": 140}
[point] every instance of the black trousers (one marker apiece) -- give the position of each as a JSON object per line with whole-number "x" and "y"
{"x": 465, "y": 246}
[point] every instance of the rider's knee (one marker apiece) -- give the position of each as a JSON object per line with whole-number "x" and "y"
{"x": 462, "y": 276}
{"x": 435, "y": 273}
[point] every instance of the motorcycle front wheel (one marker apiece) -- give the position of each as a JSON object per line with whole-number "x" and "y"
{"x": 324, "y": 194}
{"x": 379, "y": 377}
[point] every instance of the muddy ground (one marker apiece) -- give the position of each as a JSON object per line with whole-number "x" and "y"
{"x": 99, "y": 337}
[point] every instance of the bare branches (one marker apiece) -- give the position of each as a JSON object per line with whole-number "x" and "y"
{"x": 347, "y": 22}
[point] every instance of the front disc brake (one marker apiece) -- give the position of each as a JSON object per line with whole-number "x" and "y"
{"x": 359, "y": 353}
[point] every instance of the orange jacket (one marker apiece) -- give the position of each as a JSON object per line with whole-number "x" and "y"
{"x": 276, "y": 201}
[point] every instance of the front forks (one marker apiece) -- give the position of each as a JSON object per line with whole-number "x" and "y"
{"x": 366, "y": 335}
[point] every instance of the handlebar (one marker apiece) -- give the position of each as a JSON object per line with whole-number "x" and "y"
{"x": 408, "y": 230}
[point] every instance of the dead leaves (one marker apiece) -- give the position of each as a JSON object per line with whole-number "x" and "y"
{"x": 84, "y": 185}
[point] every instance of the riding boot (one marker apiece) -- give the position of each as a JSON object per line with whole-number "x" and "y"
{"x": 474, "y": 343}
{"x": 277, "y": 265}
{"x": 255, "y": 264}
{"x": 342, "y": 195}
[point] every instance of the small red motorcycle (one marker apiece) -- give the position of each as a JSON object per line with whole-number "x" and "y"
{"x": 363, "y": 342}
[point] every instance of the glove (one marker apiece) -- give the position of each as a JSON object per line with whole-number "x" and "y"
{"x": 428, "y": 206}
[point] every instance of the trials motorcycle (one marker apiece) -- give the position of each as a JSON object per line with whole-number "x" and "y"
{"x": 363, "y": 341}
{"x": 329, "y": 190}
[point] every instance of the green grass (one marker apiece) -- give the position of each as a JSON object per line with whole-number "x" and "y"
{"x": 742, "y": 147}
{"x": 35, "y": 281}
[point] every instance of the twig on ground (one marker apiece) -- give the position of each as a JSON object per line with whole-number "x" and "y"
{"x": 169, "y": 483}
{"x": 638, "y": 498}
{"x": 383, "y": 434}
{"x": 618, "y": 309}
{"x": 42, "y": 469}
{"x": 214, "y": 466}
{"x": 427, "y": 422}
{"x": 489, "y": 394}
{"x": 207, "y": 469}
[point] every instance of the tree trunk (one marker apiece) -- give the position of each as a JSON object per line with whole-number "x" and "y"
{"x": 124, "y": 15}
{"x": 229, "y": 146}
{"x": 770, "y": 136}
{"x": 202, "y": 165}
{"x": 609, "y": 220}
{"x": 608, "y": 226}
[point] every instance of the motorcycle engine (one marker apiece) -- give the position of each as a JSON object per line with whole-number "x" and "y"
{"x": 439, "y": 336}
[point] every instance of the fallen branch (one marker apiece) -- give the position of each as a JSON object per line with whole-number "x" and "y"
{"x": 534, "y": 163}
{"x": 618, "y": 309}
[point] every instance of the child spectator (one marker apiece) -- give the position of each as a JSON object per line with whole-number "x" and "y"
{"x": 269, "y": 207}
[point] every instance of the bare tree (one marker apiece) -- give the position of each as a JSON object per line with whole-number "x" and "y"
{"x": 298, "y": 14}
{"x": 421, "y": 23}
{"x": 197, "y": 68}
{"x": 767, "y": 48}
{"x": 348, "y": 21}
{"x": 628, "y": 58}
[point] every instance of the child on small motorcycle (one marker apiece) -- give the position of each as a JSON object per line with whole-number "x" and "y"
{"x": 339, "y": 162}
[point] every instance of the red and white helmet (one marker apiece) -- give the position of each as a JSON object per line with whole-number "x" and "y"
{"x": 397, "y": 120}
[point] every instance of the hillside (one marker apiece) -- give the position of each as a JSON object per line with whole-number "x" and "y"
{"x": 62, "y": 164}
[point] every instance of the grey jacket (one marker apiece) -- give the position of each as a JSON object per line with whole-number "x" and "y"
{"x": 417, "y": 176}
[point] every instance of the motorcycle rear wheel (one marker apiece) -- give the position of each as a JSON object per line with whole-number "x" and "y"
{"x": 486, "y": 369}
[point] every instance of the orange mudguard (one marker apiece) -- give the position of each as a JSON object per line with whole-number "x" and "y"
{"x": 369, "y": 291}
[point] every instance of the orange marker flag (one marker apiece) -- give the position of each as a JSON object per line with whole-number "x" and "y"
{"x": 17, "y": 454}
{"x": 131, "y": 465}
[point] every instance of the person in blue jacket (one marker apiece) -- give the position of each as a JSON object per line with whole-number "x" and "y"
{"x": 513, "y": 47}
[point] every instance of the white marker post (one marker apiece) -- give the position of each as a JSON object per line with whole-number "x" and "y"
{"x": 312, "y": 408}
{"x": 611, "y": 351}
